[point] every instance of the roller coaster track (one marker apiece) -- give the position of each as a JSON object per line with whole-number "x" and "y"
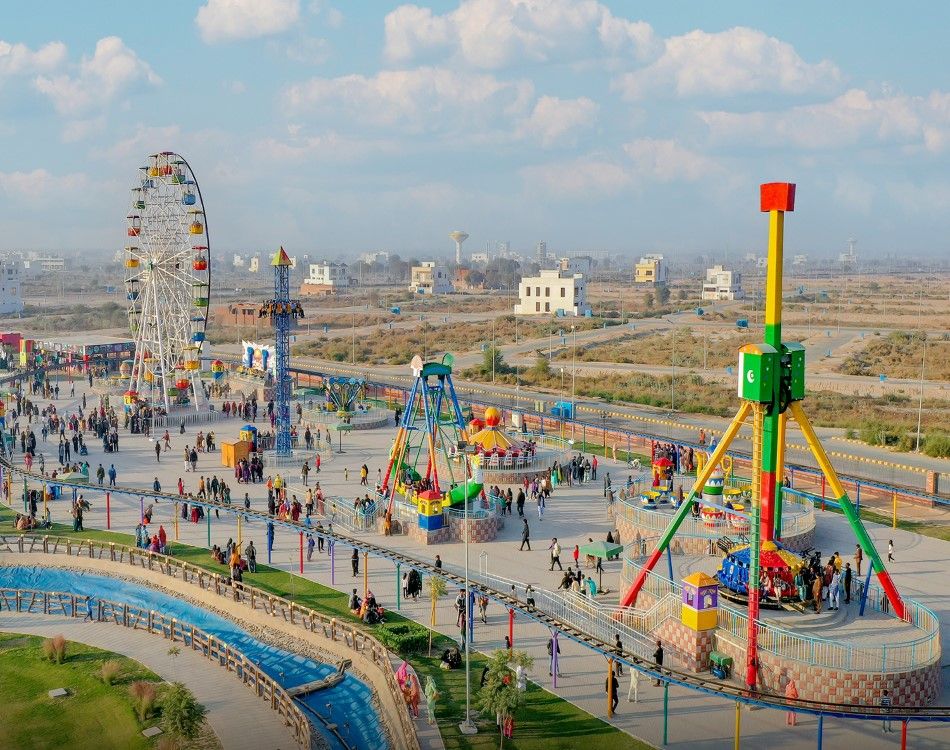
{"x": 581, "y": 635}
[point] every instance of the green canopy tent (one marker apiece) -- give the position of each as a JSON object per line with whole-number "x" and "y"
{"x": 604, "y": 551}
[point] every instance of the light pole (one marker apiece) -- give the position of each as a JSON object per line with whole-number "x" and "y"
{"x": 353, "y": 356}
{"x": 573, "y": 376}
{"x": 467, "y": 726}
{"x": 920, "y": 402}
{"x": 672, "y": 366}
{"x": 493, "y": 350}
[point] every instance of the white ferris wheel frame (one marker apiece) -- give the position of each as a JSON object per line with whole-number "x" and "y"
{"x": 163, "y": 315}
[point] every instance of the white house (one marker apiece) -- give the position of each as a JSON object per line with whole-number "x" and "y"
{"x": 326, "y": 278}
{"x": 722, "y": 284}
{"x": 11, "y": 300}
{"x": 552, "y": 292}
{"x": 430, "y": 278}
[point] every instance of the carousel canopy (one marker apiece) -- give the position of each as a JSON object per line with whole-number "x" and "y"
{"x": 492, "y": 438}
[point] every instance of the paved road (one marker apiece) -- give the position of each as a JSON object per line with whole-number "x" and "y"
{"x": 240, "y": 720}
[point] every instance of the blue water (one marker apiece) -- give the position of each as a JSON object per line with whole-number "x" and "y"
{"x": 351, "y": 707}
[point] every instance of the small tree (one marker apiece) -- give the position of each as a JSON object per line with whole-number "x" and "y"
{"x": 181, "y": 712}
{"x": 494, "y": 362}
{"x": 663, "y": 294}
{"x": 541, "y": 365}
{"x": 648, "y": 300}
{"x": 500, "y": 695}
{"x": 437, "y": 589}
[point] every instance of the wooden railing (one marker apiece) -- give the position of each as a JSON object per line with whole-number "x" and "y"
{"x": 275, "y": 606}
{"x": 155, "y": 623}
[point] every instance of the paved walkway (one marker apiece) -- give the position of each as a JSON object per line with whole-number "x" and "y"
{"x": 239, "y": 719}
{"x": 573, "y": 515}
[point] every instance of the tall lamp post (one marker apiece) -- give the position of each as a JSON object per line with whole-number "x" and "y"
{"x": 573, "y": 377}
{"x": 467, "y": 726}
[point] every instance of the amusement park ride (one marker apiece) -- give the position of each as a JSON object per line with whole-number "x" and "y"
{"x": 283, "y": 312}
{"x": 772, "y": 387}
{"x": 432, "y": 426}
{"x": 168, "y": 283}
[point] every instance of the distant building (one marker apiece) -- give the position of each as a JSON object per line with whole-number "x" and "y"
{"x": 762, "y": 262}
{"x": 463, "y": 281}
{"x": 430, "y": 278}
{"x": 480, "y": 258}
{"x": 849, "y": 258}
{"x": 44, "y": 264}
{"x": 578, "y": 264}
{"x": 326, "y": 278}
{"x": 380, "y": 256}
{"x": 650, "y": 270}
{"x": 552, "y": 292}
{"x": 255, "y": 264}
{"x": 722, "y": 284}
{"x": 241, "y": 314}
{"x": 238, "y": 261}
{"x": 542, "y": 251}
{"x": 11, "y": 300}
{"x": 800, "y": 260}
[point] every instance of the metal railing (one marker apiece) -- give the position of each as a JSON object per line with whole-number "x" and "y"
{"x": 171, "y": 629}
{"x": 713, "y": 527}
{"x": 819, "y": 652}
{"x": 169, "y": 421}
{"x": 257, "y": 599}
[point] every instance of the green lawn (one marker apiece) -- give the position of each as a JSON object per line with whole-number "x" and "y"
{"x": 94, "y": 715}
{"x": 545, "y": 721}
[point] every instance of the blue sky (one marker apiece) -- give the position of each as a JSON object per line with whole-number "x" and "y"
{"x": 339, "y": 128}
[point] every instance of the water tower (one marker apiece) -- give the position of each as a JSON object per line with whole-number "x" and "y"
{"x": 459, "y": 238}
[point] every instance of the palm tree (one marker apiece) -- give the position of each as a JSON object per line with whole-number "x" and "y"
{"x": 437, "y": 589}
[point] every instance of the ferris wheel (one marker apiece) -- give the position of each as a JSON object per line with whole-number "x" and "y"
{"x": 168, "y": 283}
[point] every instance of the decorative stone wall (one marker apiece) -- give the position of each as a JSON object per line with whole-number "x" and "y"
{"x": 479, "y": 529}
{"x": 692, "y": 647}
{"x": 916, "y": 687}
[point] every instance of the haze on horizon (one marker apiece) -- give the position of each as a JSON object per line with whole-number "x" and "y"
{"x": 339, "y": 129}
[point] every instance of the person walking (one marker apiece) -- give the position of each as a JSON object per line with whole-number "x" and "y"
{"x": 885, "y": 709}
{"x": 634, "y": 686}
{"x": 658, "y": 658}
{"x": 158, "y": 451}
{"x": 112, "y": 475}
{"x": 890, "y": 550}
{"x": 846, "y": 583}
{"x": 834, "y": 590}
{"x": 554, "y": 648}
{"x": 858, "y": 558}
{"x": 577, "y": 556}
{"x": 610, "y": 687}
{"x": 555, "y": 549}
{"x": 525, "y": 536}
{"x": 355, "y": 560}
{"x": 816, "y": 593}
{"x": 618, "y": 650}
{"x": 791, "y": 693}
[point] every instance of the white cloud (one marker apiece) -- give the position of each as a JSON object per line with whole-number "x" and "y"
{"x": 582, "y": 178}
{"x": 235, "y": 87}
{"x": 553, "y": 119}
{"x": 666, "y": 160}
{"x": 326, "y": 146}
{"x": 146, "y": 139}
{"x": 930, "y": 199}
{"x": 736, "y": 61}
{"x": 424, "y": 99}
{"x": 38, "y": 186}
{"x": 493, "y": 34}
{"x": 227, "y": 20}
{"x": 18, "y": 59}
{"x": 852, "y": 119}
{"x": 79, "y": 130}
{"x": 111, "y": 70}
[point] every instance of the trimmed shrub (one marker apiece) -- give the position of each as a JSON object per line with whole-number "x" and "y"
{"x": 403, "y": 637}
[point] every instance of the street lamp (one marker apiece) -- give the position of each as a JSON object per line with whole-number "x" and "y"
{"x": 467, "y": 726}
{"x": 573, "y": 376}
